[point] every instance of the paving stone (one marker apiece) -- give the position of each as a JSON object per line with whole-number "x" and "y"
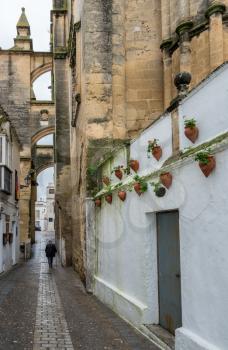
{"x": 42, "y": 309}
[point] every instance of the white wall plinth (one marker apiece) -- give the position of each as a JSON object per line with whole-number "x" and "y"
{"x": 124, "y": 305}
{"x": 187, "y": 340}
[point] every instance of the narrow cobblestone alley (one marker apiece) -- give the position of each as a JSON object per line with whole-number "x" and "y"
{"x": 42, "y": 309}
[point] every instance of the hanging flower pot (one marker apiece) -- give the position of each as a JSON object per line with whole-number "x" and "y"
{"x": 159, "y": 190}
{"x": 97, "y": 202}
{"x": 140, "y": 185}
{"x": 134, "y": 165}
{"x": 207, "y": 162}
{"x": 118, "y": 171}
{"x": 106, "y": 180}
{"x": 122, "y": 195}
{"x": 157, "y": 152}
{"x": 155, "y": 149}
{"x": 119, "y": 174}
{"x": 191, "y": 131}
{"x": 166, "y": 179}
{"x": 137, "y": 188}
{"x": 108, "y": 198}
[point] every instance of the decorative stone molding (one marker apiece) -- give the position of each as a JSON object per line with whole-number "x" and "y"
{"x": 166, "y": 44}
{"x": 60, "y": 53}
{"x": 215, "y": 8}
{"x": 59, "y": 5}
{"x": 184, "y": 27}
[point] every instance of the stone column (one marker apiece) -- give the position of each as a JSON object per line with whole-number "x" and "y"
{"x": 167, "y": 59}
{"x": 118, "y": 69}
{"x": 185, "y": 45}
{"x": 167, "y": 72}
{"x": 24, "y": 204}
{"x": 214, "y": 13}
{"x": 62, "y": 134}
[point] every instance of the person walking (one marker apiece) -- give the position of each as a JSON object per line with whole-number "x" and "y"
{"x": 50, "y": 251}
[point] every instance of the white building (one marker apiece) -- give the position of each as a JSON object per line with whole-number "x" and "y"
{"x": 164, "y": 261}
{"x": 9, "y": 194}
{"x": 45, "y": 215}
{"x": 41, "y": 219}
{"x": 50, "y": 202}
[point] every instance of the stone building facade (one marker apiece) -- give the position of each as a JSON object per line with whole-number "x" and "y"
{"x": 9, "y": 194}
{"x": 115, "y": 64}
{"x": 20, "y": 66}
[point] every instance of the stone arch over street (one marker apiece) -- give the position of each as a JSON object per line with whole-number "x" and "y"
{"x": 40, "y": 70}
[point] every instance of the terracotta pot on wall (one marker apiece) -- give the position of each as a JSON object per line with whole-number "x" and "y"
{"x": 108, "y": 198}
{"x": 191, "y": 133}
{"x": 134, "y": 165}
{"x": 208, "y": 168}
{"x": 166, "y": 179}
{"x": 122, "y": 195}
{"x": 137, "y": 188}
{"x": 97, "y": 202}
{"x": 119, "y": 174}
{"x": 157, "y": 152}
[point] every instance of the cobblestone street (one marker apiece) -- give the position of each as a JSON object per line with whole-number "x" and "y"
{"x": 42, "y": 309}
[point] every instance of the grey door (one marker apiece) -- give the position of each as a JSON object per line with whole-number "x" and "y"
{"x": 169, "y": 270}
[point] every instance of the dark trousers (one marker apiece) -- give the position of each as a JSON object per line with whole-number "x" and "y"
{"x": 50, "y": 261}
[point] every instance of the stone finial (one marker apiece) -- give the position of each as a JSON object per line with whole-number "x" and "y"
{"x": 182, "y": 81}
{"x": 23, "y": 21}
{"x": 23, "y": 40}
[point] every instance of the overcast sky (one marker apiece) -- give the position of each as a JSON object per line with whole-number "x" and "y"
{"x": 38, "y": 14}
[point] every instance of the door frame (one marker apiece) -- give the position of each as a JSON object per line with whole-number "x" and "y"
{"x": 158, "y": 285}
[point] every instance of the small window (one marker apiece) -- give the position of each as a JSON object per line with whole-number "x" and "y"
{"x": 5, "y": 151}
{"x": 51, "y": 191}
{"x": 50, "y": 219}
{"x": 5, "y": 179}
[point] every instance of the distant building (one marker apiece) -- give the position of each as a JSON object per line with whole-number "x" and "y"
{"x": 40, "y": 221}
{"x": 50, "y": 201}
{"x": 9, "y": 194}
{"x": 45, "y": 215}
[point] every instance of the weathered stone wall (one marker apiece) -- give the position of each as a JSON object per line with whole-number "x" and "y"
{"x": 62, "y": 135}
{"x": 123, "y": 57}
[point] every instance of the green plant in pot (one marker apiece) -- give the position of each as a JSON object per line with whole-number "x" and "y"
{"x": 159, "y": 190}
{"x": 207, "y": 162}
{"x": 190, "y": 130}
{"x": 140, "y": 185}
{"x": 155, "y": 149}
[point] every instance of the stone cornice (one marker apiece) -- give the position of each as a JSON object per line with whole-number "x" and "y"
{"x": 171, "y": 44}
{"x": 166, "y": 44}
{"x": 60, "y": 53}
{"x": 184, "y": 27}
{"x": 215, "y": 8}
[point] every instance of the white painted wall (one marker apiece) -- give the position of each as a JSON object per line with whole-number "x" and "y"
{"x": 126, "y": 275}
{"x": 161, "y": 130}
{"x": 208, "y": 105}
